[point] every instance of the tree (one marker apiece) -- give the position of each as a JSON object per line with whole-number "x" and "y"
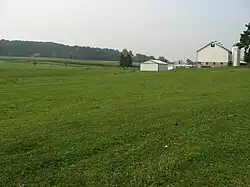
{"x": 125, "y": 52}
{"x": 19, "y": 48}
{"x": 151, "y": 58}
{"x": 140, "y": 58}
{"x": 163, "y": 59}
{"x": 35, "y": 63}
{"x": 129, "y": 61}
{"x": 245, "y": 43}
{"x": 122, "y": 61}
{"x": 54, "y": 50}
{"x": 126, "y": 59}
{"x": 190, "y": 62}
{"x": 131, "y": 54}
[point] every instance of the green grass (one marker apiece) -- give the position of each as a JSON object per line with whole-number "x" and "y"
{"x": 106, "y": 127}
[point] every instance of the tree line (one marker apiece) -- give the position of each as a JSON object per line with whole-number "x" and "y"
{"x": 244, "y": 43}
{"x": 127, "y": 58}
{"x": 19, "y": 48}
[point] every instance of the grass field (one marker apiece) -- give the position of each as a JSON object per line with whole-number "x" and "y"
{"x": 59, "y": 61}
{"x": 106, "y": 127}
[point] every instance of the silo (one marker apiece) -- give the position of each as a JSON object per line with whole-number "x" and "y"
{"x": 236, "y": 55}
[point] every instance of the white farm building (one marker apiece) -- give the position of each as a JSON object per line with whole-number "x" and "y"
{"x": 181, "y": 64}
{"x": 214, "y": 54}
{"x": 154, "y": 65}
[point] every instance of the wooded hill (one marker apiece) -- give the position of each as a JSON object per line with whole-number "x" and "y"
{"x": 54, "y": 50}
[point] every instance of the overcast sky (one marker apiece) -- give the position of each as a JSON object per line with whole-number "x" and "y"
{"x": 172, "y": 28}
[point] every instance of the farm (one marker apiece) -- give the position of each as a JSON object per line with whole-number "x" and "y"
{"x": 99, "y": 126}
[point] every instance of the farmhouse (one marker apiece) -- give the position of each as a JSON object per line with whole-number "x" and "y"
{"x": 181, "y": 64}
{"x": 154, "y": 65}
{"x": 214, "y": 54}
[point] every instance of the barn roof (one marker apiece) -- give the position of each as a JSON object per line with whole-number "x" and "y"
{"x": 156, "y": 61}
{"x": 215, "y": 44}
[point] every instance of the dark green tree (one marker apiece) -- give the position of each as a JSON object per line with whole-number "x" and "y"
{"x": 126, "y": 59}
{"x": 130, "y": 59}
{"x": 35, "y": 63}
{"x": 131, "y": 54}
{"x": 163, "y": 59}
{"x": 122, "y": 61}
{"x": 140, "y": 58}
{"x": 190, "y": 62}
{"x": 48, "y": 49}
{"x": 125, "y": 52}
{"x": 129, "y": 62}
{"x": 244, "y": 43}
{"x": 19, "y": 48}
{"x": 151, "y": 58}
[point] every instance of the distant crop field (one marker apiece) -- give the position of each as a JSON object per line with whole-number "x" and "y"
{"x": 108, "y": 127}
{"x": 28, "y": 65}
{"x": 59, "y": 61}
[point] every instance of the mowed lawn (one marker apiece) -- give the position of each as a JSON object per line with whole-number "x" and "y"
{"x": 105, "y": 127}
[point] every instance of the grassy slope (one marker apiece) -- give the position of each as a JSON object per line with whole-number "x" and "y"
{"x": 103, "y": 127}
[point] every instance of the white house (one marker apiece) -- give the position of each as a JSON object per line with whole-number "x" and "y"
{"x": 214, "y": 54}
{"x": 180, "y": 64}
{"x": 154, "y": 65}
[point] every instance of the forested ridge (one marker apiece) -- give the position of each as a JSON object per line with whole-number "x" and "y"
{"x": 17, "y": 48}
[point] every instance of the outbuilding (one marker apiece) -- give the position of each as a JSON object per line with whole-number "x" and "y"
{"x": 154, "y": 65}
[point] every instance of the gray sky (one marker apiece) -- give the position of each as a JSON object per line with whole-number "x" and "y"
{"x": 172, "y": 28}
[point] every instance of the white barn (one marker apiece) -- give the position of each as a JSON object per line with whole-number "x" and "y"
{"x": 214, "y": 54}
{"x": 154, "y": 65}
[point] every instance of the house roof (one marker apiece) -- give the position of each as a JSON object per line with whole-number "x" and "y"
{"x": 215, "y": 44}
{"x": 156, "y": 62}
{"x": 178, "y": 62}
{"x": 242, "y": 62}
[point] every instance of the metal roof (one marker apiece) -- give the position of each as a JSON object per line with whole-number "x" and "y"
{"x": 179, "y": 62}
{"x": 215, "y": 44}
{"x": 242, "y": 62}
{"x": 156, "y": 62}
